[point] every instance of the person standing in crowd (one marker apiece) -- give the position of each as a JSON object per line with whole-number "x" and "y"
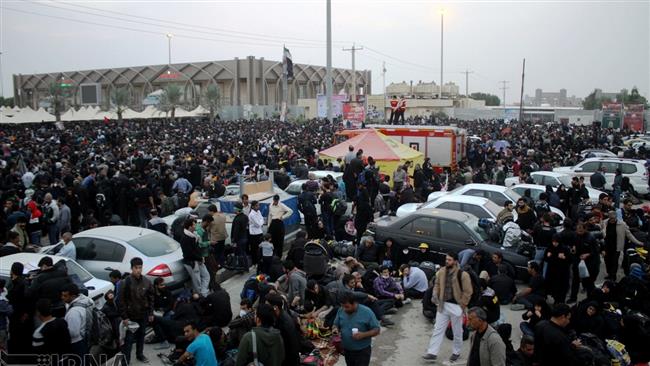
{"x": 585, "y": 248}
{"x": 156, "y": 222}
{"x": 553, "y": 346}
{"x": 287, "y": 327}
{"x": 193, "y": 260}
{"x": 615, "y": 232}
{"x": 218, "y": 234}
{"x": 79, "y": 308}
{"x": 363, "y": 210}
{"x": 68, "y": 250}
{"x": 5, "y": 312}
{"x": 239, "y": 237}
{"x": 414, "y": 281}
{"x": 307, "y": 206}
{"x": 200, "y": 348}
{"x": 617, "y": 188}
{"x": 357, "y": 325}
{"x": 51, "y": 218}
{"x": 597, "y": 180}
{"x": 255, "y": 231}
{"x": 52, "y": 336}
{"x": 20, "y": 321}
{"x": 263, "y": 344}
{"x": 508, "y": 207}
{"x": 65, "y": 216}
{"x": 487, "y": 347}
{"x": 136, "y": 299}
{"x": 557, "y": 273}
{"x": 401, "y": 109}
{"x": 11, "y": 246}
{"x": 278, "y": 212}
{"x": 452, "y": 291}
{"x": 350, "y": 155}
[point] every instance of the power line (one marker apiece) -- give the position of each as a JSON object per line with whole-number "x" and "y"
{"x": 397, "y": 59}
{"x": 166, "y": 23}
{"x": 153, "y": 32}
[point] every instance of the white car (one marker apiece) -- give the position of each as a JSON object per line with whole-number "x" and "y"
{"x": 477, "y": 206}
{"x": 95, "y": 286}
{"x": 631, "y": 168}
{"x": 597, "y": 153}
{"x": 536, "y": 190}
{"x": 104, "y": 249}
{"x": 497, "y": 194}
{"x": 553, "y": 179}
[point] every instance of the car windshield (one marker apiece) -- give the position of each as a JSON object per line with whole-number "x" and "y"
{"x": 514, "y": 196}
{"x": 473, "y": 224}
{"x": 154, "y": 244}
{"x": 75, "y": 269}
{"x": 294, "y": 189}
{"x": 565, "y": 179}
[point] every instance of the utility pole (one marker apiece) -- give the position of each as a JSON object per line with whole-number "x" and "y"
{"x": 467, "y": 72}
{"x": 442, "y": 29}
{"x": 328, "y": 74}
{"x": 504, "y": 87}
{"x": 169, "y": 47}
{"x": 521, "y": 96}
{"x": 353, "y": 96}
{"x": 383, "y": 76}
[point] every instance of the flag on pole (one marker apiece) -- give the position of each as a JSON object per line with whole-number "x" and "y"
{"x": 288, "y": 63}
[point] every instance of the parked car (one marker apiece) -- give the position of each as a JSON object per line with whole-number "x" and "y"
{"x": 537, "y": 189}
{"x": 477, "y": 206}
{"x": 597, "y": 153}
{"x": 446, "y": 231}
{"x": 104, "y": 249}
{"x": 631, "y": 168}
{"x": 96, "y": 287}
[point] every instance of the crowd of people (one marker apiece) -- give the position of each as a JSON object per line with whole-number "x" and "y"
{"x": 57, "y": 182}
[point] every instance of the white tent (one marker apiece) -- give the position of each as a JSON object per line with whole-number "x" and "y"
{"x": 28, "y": 115}
{"x": 199, "y": 111}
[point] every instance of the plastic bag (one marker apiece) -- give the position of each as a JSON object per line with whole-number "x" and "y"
{"x": 583, "y": 271}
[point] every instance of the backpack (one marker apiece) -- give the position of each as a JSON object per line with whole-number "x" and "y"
{"x": 476, "y": 289}
{"x": 429, "y": 269}
{"x": 618, "y": 352}
{"x": 339, "y": 207}
{"x": 98, "y": 328}
{"x": 598, "y": 349}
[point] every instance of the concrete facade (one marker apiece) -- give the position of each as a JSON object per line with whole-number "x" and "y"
{"x": 552, "y": 99}
{"x": 421, "y": 89}
{"x": 247, "y": 81}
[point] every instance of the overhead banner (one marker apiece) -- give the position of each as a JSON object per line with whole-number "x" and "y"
{"x": 612, "y": 115}
{"x": 337, "y": 105}
{"x": 633, "y": 119}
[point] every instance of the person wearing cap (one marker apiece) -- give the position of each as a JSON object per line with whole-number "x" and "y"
{"x": 557, "y": 258}
{"x": 452, "y": 291}
{"x": 239, "y": 236}
{"x": 278, "y": 212}
{"x": 423, "y": 254}
{"x": 615, "y": 232}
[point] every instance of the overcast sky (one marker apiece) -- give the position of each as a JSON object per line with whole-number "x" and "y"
{"x": 567, "y": 44}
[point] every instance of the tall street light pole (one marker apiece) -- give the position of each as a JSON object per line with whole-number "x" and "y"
{"x": 442, "y": 29}
{"x": 328, "y": 74}
{"x": 169, "y": 46}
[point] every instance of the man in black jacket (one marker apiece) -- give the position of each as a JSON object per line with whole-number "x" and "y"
{"x": 239, "y": 237}
{"x": 553, "y": 346}
{"x": 307, "y": 206}
{"x": 136, "y": 299}
{"x": 48, "y": 283}
{"x": 288, "y": 328}
{"x": 21, "y": 324}
{"x": 193, "y": 260}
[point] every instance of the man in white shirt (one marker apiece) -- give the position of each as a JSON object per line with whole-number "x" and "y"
{"x": 414, "y": 281}
{"x": 278, "y": 212}
{"x": 255, "y": 231}
{"x": 68, "y": 250}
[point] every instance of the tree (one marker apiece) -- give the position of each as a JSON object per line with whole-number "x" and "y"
{"x": 7, "y": 102}
{"x": 120, "y": 98}
{"x": 490, "y": 99}
{"x": 591, "y": 102}
{"x": 171, "y": 98}
{"x": 212, "y": 99}
{"x": 56, "y": 96}
{"x": 633, "y": 97}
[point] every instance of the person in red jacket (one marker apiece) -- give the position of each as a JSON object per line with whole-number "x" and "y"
{"x": 401, "y": 108}
{"x": 393, "y": 109}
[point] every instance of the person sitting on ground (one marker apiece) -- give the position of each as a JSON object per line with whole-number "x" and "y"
{"x": 200, "y": 349}
{"x": 414, "y": 281}
{"x": 489, "y": 302}
{"x": 503, "y": 285}
{"x": 242, "y": 323}
{"x": 293, "y": 283}
{"x": 367, "y": 252}
{"x": 539, "y": 312}
{"x": 534, "y": 292}
{"x": 386, "y": 288}
{"x": 318, "y": 302}
{"x": 525, "y": 354}
{"x": 297, "y": 251}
